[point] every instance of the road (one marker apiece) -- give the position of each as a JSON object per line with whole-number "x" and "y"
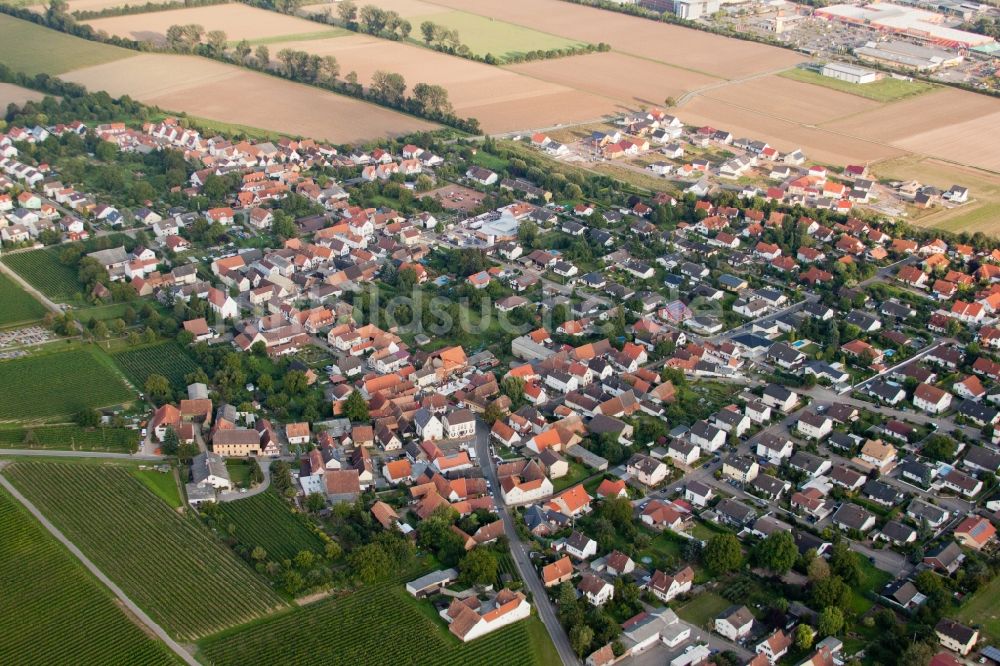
{"x": 117, "y": 591}
{"x": 52, "y": 453}
{"x": 233, "y": 495}
{"x": 525, "y": 568}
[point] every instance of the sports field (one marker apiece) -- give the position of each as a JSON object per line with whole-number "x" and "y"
{"x": 18, "y": 306}
{"x": 36, "y": 387}
{"x": 884, "y": 90}
{"x": 33, "y": 49}
{"x": 59, "y": 614}
{"x": 376, "y": 625}
{"x": 169, "y": 564}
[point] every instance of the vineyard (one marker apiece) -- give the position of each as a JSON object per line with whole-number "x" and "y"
{"x": 43, "y": 270}
{"x": 169, "y": 564}
{"x": 18, "y": 305}
{"x": 59, "y": 614}
{"x": 70, "y": 437}
{"x": 166, "y": 358}
{"x": 265, "y": 520}
{"x": 375, "y": 625}
{"x": 37, "y": 387}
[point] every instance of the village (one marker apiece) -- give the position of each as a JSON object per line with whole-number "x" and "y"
{"x": 750, "y": 417}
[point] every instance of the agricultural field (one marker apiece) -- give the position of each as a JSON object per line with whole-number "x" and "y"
{"x": 33, "y": 49}
{"x": 168, "y": 563}
{"x": 501, "y": 100}
{"x": 375, "y": 625}
{"x": 70, "y": 438}
{"x": 981, "y": 213}
{"x": 59, "y": 614}
{"x": 19, "y": 307}
{"x": 43, "y": 271}
{"x": 484, "y": 35}
{"x": 237, "y": 20}
{"x": 12, "y": 94}
{"x": 885, "y": 90}
{"x": 265, "y": 520}
{"x": 164, "y": 358}
{"x": 651, "y": 40}
{"x": 235, "y": 96}
{"x": 35, "y": 387}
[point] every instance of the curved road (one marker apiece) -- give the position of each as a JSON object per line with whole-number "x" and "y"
{"x": 128, "y": 603}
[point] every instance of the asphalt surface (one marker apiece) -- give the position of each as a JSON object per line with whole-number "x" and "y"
{"x": 47, "y": 453}
{"x": 117, "y": 591}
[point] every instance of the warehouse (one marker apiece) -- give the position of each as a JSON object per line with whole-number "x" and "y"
{"x": 904, "y": 55}
{"x": 849, "y": 73}
{"x": 896, "y": 19}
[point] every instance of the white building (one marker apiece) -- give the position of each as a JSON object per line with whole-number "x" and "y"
{"x": 849, "y": 73}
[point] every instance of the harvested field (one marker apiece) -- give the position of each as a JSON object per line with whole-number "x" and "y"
{"x": 820, "y": 145}
{"x": 796, "y": 101}
{"x": 34, "y": 49}
{"x": 405, "y": 8}
{"x": 11, "y": 94}
{"x": 501, "y": 100}
{"x": 215, "y": 91}
{"x": 618, "y": 76}
{"x": 950, "y": 124}
{"x": 670, "y": 44}
{"x": 237, "y": 20}
{"x": 457, "y": 197}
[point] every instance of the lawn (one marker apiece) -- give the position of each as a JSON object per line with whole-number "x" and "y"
{"x": 872, "y": 580}
{"x": 239, "y": 472}
{"x": 163, "y": 358}
{"x": 378, "y": 624}
{"x": 703, "y": 609}
{"x": 58, "y": 614}
{"x": 42, "y": 268}
{"x": 34, "y": 49}
{"x": 161, "y": 484}
{"x": 982, "y": 610}
{"x": 885, "y": 90}
{"x": 43, "y": 386}
{"x": 575, "y": 475}
{"x": 267, "y": 521}
{"x": 168, "y": 563}
{"x": 19, "y": 307}
{"x": 70, "y": 438}
{"x": 485, "y": 35}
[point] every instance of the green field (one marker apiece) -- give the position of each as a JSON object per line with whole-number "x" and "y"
{"x": 58, "y": 614}
{"x": 375, "y": 625}
{"x": 18, "y": 305}
{"x": 59, "y": 384}
{"x": 703, "y": 609}
{"x": 168, "y": 563}
{"x": 300, "y": 37}
{"x": 70, "y": 438}
{"x": 265, "y": 520}
{"x": 484, "y": 35}
{"x": 34, "y": 49}
{"x": 885, "y": 90}
{"x": 161, "y": 484}
{"x": 982, "y": 610}
{"x": 42, "y": 268}
{"x": 165, "y": 358}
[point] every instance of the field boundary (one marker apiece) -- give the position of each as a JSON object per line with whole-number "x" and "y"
{"x": 133, "y": 609}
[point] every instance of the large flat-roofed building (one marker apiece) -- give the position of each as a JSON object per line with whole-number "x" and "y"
{"x": 849, "y": 73}
{"x": 904, "y": 55}
{"x": 900, "y": 20}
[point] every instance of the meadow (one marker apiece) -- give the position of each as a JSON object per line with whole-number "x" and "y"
{"x": 18, "y": 305}
{"x": 59, "y": 614}
{"x": 981, "y": 609}
{"x": 168, "y": 563}
{"x": 70, "y": 438}
{"x": 885, "y": 90}
{"x": 36, "y": 387}
{"x": 43, "y": 270}
{"x": 486, "y": 35}
{"x": 163, "y": 358}
{"x": 265, "y": 520}
{"x": 378, "y": 624}
{"x": 33, "y": 49}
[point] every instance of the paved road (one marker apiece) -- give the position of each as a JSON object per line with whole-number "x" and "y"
{"x": 81, "y": 454}
{"x": 128, "y": 603}
{"x": 233, "y": 495}
{"x": 525, "y": 569}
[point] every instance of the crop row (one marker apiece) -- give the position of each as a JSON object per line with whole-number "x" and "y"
{"x": 57, "y": 614}
{"x": 43, "y": 270}
{"x": 265, "y": 520}
{"x": 167, "y": 563}
{"x": 166, "y": 359}
{"x": 69, "y": 437}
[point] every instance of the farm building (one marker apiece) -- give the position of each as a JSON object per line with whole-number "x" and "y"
{"x": 849, "y": 73}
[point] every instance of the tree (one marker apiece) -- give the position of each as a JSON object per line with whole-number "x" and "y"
{"x": 845, "y": 563}
{"x": 722, "y": 554}
{"x": 939, "y": 447}
{"x": 304, "y": 559}
{"x": 919, "y": 653}
{"x": 580, "y": 638}
{"x": 373, "y": 19}
{"x": 830, "y": 592}
{"x": 831, "y": 621}
{"x": 241, "y": 52}
{"x": 433, "y": 99}
{"x": 513, "y": 388}
{"x": 262, "y": 55}
{"x": 818, "y": 569}
{"x": 356, "y": 408}
{"x": 157, "y": 387}
{"x": 293, "y": 582}
{"x": 492, "y": 413}
{"x": 258, "y": 554}
{"x": 370, "y": 562}
{"x": 478, "y": 567}
{"x": 171, "y": 442}
{"x": 388, "y": 86}
{"x": 216, "y": 42}
{"x": 347, "y": 11}
{"x": 315, "y": 502}
{"x": 256, "y": 475}
{"x": 88, "y": 418}
{"x": 570, "y": 613}
{"x": 777, "y": 552}
{"x": 804, "y": 637}
{"x": 429, "y": 31}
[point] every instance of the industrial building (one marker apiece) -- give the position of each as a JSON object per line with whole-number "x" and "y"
{"x": 849, "y": 73}
{"x": 685, "y": 9}
{"x": 910, "y": 21}
{"x": 904, "y": 55}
